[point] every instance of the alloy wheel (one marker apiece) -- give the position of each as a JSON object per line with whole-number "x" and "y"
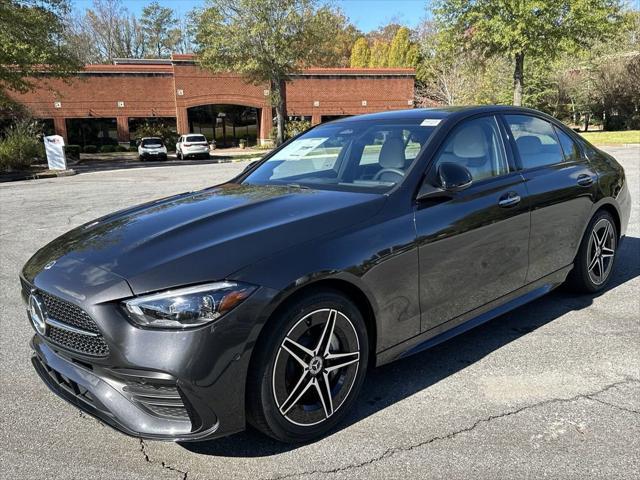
{"x": 315, "y": 367}
{"x": 601, "y": 251}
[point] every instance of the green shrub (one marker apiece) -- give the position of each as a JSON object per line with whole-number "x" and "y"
{"x": 107, "y": 149}
{"x": 20, "y": 145}
{"x": 90, "y": 149}
{"x": 120, "y": 148}
{"x": 72, "y": 151}
{"x": 133, "y": 149}
{"x": 295, "y": 127}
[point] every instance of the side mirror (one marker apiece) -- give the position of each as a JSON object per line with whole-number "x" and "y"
{"x": 453, "y": 177}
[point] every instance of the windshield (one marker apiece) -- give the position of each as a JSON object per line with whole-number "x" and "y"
{"x": 196, "y": 138}
{"x": 151, "y": 142}
{"x": 357, "y": 155}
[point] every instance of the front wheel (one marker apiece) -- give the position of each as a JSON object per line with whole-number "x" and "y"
{"x": 308, "y": 371}
{"x": 594, "y": 263}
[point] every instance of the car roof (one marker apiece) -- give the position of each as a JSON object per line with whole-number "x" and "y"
{"x": 437, "y": 113}
{"x": 151, "y": 138}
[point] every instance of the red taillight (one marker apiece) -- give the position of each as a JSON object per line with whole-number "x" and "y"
{"x": 187, "y": 144}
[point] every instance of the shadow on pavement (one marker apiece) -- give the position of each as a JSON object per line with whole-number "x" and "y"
{"x": 392, "y": 383}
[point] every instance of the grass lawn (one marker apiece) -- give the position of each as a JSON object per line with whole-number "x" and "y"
{"x": 612, "y": 138}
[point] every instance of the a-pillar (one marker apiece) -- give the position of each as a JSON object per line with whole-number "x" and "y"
{"x": 316, "y": 119}
{"x": 60, "y": 127}
{"x": 123, "y": 129}
{"x": 266, "y": 125}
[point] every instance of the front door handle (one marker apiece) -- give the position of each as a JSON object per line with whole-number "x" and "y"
{"x": 585, "y": 180}
{"x": 509, "y": 200}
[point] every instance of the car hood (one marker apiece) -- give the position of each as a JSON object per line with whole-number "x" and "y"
{"x": 204, "y": 236}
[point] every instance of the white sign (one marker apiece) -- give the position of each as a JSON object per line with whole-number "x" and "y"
{"x": 54, "y": 146}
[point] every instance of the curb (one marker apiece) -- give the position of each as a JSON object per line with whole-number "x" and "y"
{"x": 18, "y": 176}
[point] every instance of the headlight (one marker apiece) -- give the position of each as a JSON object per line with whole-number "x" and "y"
{"x": 187, "y": 307}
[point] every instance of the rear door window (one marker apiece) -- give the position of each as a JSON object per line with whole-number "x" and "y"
{"x": 536, "y": 141}
{"x": 196, "y": 138}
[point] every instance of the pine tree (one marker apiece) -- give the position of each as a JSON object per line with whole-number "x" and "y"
{"x": 379, "y": 54}
{"x": 400, "y": 46}
{"x": 360, "y": 55}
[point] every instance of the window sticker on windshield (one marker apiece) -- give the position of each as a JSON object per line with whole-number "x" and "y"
{"x": 430, "y": 122}
{"x": 301, "y": 147}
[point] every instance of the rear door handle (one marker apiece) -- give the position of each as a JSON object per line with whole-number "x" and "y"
{"x": 585, "y": 180}
{"x": 509, "y": 200}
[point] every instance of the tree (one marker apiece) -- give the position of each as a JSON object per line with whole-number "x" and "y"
{"x": 360, "y": 54}
{"x": 400, "y": 46}
{"x": 336, "y": 35}
{"x": 31, "y": 34}
{"x": 266, "y": 42}
{"x": 526, "y": 28}
{"x": 379, "y": 54}
{"x": 156, "y": 22}
{"x": 104, "y": 26}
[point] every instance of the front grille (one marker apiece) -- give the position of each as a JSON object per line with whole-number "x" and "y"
{"x": 65, "y": 383}
{"x": 78, "y": 342}
{"x": 68, "y": 313}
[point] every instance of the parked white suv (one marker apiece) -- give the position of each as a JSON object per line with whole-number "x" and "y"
{"x": 192, "y": 145}
{"x": 152, "y": 148}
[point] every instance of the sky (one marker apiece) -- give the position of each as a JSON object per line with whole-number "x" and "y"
{"x": 367, "y": 15}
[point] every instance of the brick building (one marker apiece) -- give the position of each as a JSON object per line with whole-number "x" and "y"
{"x": 104, "y": 103}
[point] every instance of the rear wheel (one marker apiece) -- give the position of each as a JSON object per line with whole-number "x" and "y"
{"x": 594, "y": 263}
{"x": 308, "y": 371}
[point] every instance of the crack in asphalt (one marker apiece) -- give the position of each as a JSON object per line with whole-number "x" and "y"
{"x": 617, "y": 407}
{"x": 163, "y": 464}
{"x": 395, "y": 450}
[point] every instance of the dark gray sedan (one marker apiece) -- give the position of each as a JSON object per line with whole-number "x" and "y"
{"x": 266, "y": 299}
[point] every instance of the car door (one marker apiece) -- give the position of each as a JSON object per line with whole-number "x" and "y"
{"x": 473, "y": 243}
{"x": 561, "y": 185}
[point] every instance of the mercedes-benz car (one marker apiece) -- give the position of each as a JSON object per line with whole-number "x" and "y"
{"x": 266, "y": 299}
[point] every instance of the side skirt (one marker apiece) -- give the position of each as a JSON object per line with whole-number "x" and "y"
{"x": 474, "y": 318}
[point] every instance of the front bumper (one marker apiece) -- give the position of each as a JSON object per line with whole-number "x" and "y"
{"x": 107, "y": 397}
{"x": 158, "y": 384}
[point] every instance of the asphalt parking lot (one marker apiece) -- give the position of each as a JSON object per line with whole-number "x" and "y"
{"x": 549, "y": 390}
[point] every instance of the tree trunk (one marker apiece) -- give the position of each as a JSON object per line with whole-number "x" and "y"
{"x": 278, "y": 99}
{"x": 518, "y": 79}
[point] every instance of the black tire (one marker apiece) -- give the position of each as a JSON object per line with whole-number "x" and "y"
{"x": 588, "y": 274}
{"x": 274, "y": 372}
